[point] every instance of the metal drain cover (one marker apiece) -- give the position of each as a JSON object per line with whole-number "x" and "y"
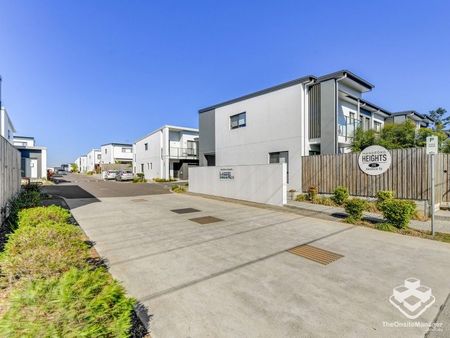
{"x": 184, "y": 211}
{"x": 315, "y": 254}
{"x": 206, "y": 220}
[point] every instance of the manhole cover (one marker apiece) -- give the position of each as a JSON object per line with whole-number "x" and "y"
{"x": 184, "y": 211}
{"x": 315, "y": 254}
{"x": 138, "y": 200}
{"x": 206, "y": 220}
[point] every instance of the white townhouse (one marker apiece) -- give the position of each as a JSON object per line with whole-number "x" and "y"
{"x": 116, "y": 153}
{"x": 7, "y": 129}
{"x": 166, "y": 152}
{"x": 81, "y": 163}
{"x": 307, "y": 116}
{"x": 33, "y": 163}
{"x": 93, "y": 159}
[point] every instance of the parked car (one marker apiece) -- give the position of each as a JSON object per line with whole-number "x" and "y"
{"x": 110, "y": 174}
{"x": 124, "y": 175}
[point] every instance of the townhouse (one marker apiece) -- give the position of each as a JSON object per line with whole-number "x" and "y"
{"x": 33, "y": 158}
{"x": 81, "y": 163}
{"x": 307, "y": 116}
{"x": 93, "y": 159}
{"x": 120, "y": 153}
{"x": 7, "y": 129}
{"x": 166, "y": 152}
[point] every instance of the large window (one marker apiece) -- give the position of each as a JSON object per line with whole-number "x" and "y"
{"x": 126, "y": 150}
{"x": 238, "y": 121}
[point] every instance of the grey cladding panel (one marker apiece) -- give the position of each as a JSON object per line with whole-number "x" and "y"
{"x": 328, "y": 123}
{"x": 314, "y": 112}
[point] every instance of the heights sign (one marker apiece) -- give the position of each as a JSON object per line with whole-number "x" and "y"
{"x": 374, "y": 160}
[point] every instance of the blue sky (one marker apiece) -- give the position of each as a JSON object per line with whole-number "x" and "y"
{"x": 78, "y": 74}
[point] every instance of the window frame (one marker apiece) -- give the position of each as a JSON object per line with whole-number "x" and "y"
{"x": 237, "y": 118}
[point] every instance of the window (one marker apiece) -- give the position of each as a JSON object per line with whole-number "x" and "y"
{"x": 146, "y": 146}
{"x": 142, "y": 167}
{"x": 126, "y": 150}
{"x": 238, "y": 121}
{"x": 99, "y": 156}
{"x": 280, "y": 157}
{"x": 377, "y": 126}
{"x": 9, "y": 134}
{"x": 106, "y": 150}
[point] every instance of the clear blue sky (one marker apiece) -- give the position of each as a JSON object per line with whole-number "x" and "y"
{"x": 78, "y": 74}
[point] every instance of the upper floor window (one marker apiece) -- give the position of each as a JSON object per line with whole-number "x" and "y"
{"x": 127, "y": 150}
{"x": 146, "y": 146}
{"x": 238, "y": 120}
{"x": 9, "y": 134}
{"x": 106, "y": 151}
{"x": 99, "y": 156}
{"x": 377, "y": 126}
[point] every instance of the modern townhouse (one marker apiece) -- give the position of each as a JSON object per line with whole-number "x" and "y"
{"x": 33, "y": 158}
{"x": 421, "y": 121}
{"x": 81, "y": 163}
{"x": 7, "y": 129}
{"x": 93, "y": 159}
{"x": 307, "y": 116}
{"x": 117, "y": 153}
{"x": 166, "y": 152}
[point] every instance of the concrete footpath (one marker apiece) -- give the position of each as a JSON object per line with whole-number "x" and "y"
{"x": 234, "y": 277}
{"x": 442, "y": 221}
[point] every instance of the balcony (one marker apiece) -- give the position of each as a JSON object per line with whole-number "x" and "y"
{"x": 347, "y": 129}
{"x": 183, "y": 153}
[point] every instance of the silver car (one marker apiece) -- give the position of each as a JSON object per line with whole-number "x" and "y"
{"x": 124, "y": 175}
{"x": 110, "y": 174}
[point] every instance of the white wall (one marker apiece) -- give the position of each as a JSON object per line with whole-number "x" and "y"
{"x": 114, "y": 152}
{"x": 257, "y": 183}
{"x": 274, "y": 124}
{"x": 44, "y": 163}
{"x": 6, "y": 127}
{"x": 92, "y": 159}
{"x": 23, "y": 142}
{"x": 151, "y": 158}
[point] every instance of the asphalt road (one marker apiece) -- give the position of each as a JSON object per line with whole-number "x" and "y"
{"x": 77, "y": 186}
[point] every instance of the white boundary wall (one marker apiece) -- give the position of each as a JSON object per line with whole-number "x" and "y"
{"x": 265, "y": 183}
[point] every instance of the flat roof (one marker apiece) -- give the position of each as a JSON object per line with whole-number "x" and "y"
{"x": 349, "y": 75}
{"x": 413, "y": 112}
{"x": 25, "y": 137}
{"x": 178, "y": 128}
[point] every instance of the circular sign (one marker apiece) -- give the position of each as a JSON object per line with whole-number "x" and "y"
{"x": 374, "y": 160}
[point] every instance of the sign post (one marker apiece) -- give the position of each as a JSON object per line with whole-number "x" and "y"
{"x": 432, "y": 150}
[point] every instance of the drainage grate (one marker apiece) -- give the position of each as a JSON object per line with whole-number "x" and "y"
{"x": 315, "y": 254}
{"x": 206, "y": 220}
{"x": 185, "y": 210}
{"x": 138, "y": 200}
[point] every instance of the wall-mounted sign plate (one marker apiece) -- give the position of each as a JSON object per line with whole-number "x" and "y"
{"x": 374, "y": 160}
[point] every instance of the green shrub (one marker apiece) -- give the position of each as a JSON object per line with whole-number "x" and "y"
{"x": 355, "y": 208}
{"x": 302, "y": 197}
{"x": 43, "y": 251}
{"x": 162, "y": 180}
{"x": 178, "y": 188}
{"x": 140, "y": 178}
{"x": 384, "y": 195}
{"x": 81, "y": 303}
{"x": 25, "y": 199}
{"x": 34, "y": 216}
{"x": 398, "y": 212}
{"x": 384, "y": 227}
{"x": 340, "y": 195}
{"x": 90, "y": 173}
{"x": 324, "y": 201}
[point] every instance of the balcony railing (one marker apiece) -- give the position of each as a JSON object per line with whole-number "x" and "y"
{"x": 348, "y": 129}
{"x": 176, "y": 152}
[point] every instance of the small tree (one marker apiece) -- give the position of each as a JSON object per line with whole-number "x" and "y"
{"x": 395, "y": 136}
{"x": 74, "y": 167}
{"x": 440, "y": 117}
{"x": 363, "y": 139}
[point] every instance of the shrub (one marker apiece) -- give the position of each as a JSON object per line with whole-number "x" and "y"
{"x": 340, "y": 195}
{"x": 355, "y": 208}
{"x": 34, "y": 216}
{"x": 140, "y": 178}
{"x": 398, "y": 212}
{"x": 384, "y": 195}
{"x": 81, "y": 303}
{"x": 25, "y": 199}
{"x": 312, "y": 192}
{"x": 324, "y": 201}
{"x": 43, "y": 251}
{"x": 90, "y": 173}
{"x": 178, "y": 188}
{"x": 302, "y": 197}
{"x": 162, "y": 180}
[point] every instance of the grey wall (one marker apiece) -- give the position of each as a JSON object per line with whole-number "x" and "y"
{"x": 207, "y": 135}
{"x": 328, "y": 123}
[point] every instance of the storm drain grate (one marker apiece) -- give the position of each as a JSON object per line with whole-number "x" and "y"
{"x": 206, "y": 220}
{"x": 138, "y": 200}
{"x": 315, "y": 254}
{"x": 184, "y": 211}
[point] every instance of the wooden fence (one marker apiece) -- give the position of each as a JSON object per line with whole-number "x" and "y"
{"x": 9, "y": 174}
{"x": 408, "y": 175}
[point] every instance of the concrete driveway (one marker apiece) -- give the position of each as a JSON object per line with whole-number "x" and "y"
{"x": 234, "y": 278}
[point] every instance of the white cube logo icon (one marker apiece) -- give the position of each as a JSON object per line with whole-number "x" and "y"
{"x": 411, "y": 298}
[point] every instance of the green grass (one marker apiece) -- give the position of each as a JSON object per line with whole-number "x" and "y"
{"x": 81, "y": 303}
{"x": 178, "y": 188}
{"x": 35, "y": 216}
